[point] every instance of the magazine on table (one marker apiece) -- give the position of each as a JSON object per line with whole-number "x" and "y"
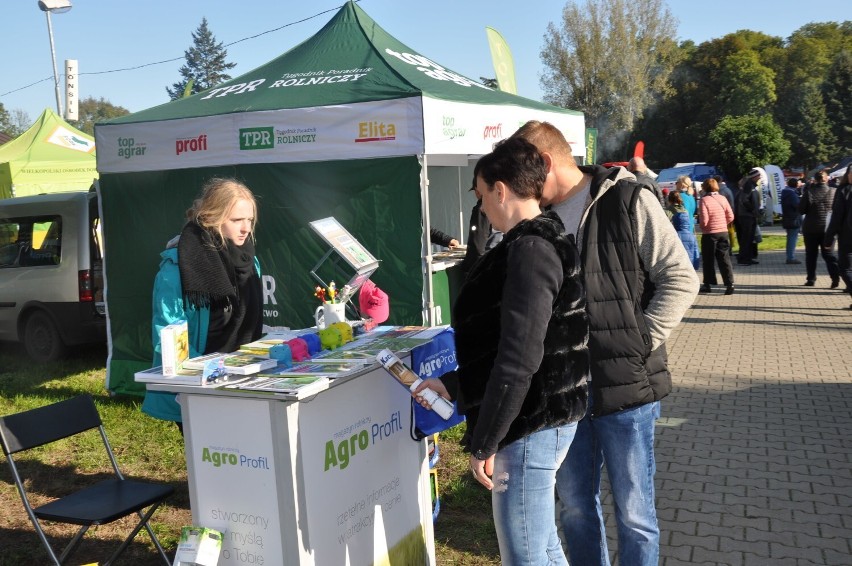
{"x": 328, "y": 369}
{"x": 340, "y": 355}
{"x": 234, "y": 363}
{"x": 295, "y": 387}
{"x": 185, "y": 377}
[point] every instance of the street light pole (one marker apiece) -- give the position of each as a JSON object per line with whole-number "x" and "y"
{"x": 58, "y": 6}
{"x": 53, "y": 58}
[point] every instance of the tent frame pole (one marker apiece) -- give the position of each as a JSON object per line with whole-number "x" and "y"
{"x": 428, "y": 284}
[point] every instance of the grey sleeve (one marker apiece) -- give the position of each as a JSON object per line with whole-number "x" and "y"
{"x": 669, "y": 268}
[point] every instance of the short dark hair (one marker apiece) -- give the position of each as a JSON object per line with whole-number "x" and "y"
{"x": 793, "y": 182}
{"x": 517, "y": 163}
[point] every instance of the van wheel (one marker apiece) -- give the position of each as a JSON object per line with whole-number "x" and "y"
{"x": 41, "y": 338}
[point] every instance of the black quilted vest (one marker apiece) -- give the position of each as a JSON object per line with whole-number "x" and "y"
{"x": 624, "y": 371}
{"x": 558, "y": 391}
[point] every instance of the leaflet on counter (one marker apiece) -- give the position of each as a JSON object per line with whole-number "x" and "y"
{"x": 295, "y": 387}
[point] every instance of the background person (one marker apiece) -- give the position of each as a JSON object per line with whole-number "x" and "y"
{"x": 683, "y": 226}
{"x": 841, "y": 227}
{"x": 209, "y": 276}
{"x": 714, "y": 216}
{"x": 442, "y": 239}
{"x": 726, "y": 192}
{"x": 815, "y": 205}
{"x": 746, "y": 214}
{"x": 791, "y": 220}
{"x": 481, "y": 236}
{"x": 637, "y": 166}
{"x": 683, "y": 184}
{"x": 521, "y": 333}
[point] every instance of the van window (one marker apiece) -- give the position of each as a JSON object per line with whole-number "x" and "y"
{"x": 30, "y": 241}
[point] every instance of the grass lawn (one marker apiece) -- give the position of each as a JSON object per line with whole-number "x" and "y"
{"x": 150, "y": 449}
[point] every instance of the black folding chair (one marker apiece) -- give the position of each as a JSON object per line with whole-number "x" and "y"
{"x": 98, "y": 504}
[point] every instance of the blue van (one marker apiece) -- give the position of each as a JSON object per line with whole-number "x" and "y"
{"x": 698, "y": 172}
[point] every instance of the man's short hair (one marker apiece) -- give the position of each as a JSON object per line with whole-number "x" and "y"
{"x": 547, "y": 138}
{"x": 793, "y": 182}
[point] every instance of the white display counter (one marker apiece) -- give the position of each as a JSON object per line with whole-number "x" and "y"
{"x": 334, "y": 479}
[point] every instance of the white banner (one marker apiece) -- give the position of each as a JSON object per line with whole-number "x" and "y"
{"x": 391, "y": 128}
{"x": 775, "y": 180}
{"x": 352, "y": 131}
{"x": 461, "y": 128}
{"x": 71, "y": 89}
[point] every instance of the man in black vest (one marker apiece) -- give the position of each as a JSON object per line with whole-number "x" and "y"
{"x": 637, "y": 166}
{"x": 639, "y": 283}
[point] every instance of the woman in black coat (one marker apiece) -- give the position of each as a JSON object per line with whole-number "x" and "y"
{"x": 521, "y": 333}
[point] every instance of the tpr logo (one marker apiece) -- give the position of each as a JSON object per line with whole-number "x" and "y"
{"x": 257, "y": 138}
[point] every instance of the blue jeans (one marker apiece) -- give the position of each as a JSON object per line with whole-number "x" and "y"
{"x": 624, "y": 441}
{"x": 522, "y": 498}
{"x": 792, "y": 238}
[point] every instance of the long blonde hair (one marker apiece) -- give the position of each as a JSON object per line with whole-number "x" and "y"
{"x": 213, "y": 205}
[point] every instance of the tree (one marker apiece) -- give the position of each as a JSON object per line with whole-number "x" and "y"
{"x": 91, "y": 111}
{"x": 14, "y": 123}
{"x": 738, "y": 143}
{"x": 205, "y": 63}
{"x": 809, "y": 132}
{"x": 5, "y": 120}
{"x": 838, "y": 102}
{"x": 609, "y": 59}
{"x": 747, "y": 86}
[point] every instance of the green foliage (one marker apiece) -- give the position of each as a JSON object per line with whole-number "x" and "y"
{"x": 838, "y": 101}
{"x": 91, "y": 110}
{"x": 205, "y": 64}
{"x": 749, "y": 72}
{"x": 738, "y": 143}
{"x": 5, "y": 120}
{"x": 13, "y": 123}
{"x": 609, "y": 59}
{"x": 812, "y": 140}
{"x": 747, "y": 86}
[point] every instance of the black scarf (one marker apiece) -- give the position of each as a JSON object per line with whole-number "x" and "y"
{"x": 223, "y": 279}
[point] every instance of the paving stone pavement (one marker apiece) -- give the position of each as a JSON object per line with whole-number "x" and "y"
{"x": 754, "y": 447}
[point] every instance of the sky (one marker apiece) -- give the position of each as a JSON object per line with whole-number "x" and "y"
{"x": 104, "y": 35}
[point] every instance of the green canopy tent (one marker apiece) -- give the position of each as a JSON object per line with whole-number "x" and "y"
{"x": 50, "y": 157}
{"x": 350, "y": 123}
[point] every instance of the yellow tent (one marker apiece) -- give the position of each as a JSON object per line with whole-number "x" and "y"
{"x": 52, "y": 156}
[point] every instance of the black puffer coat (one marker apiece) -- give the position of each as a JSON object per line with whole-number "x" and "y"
{"x": 515, "y": 376}
{"x": 815, "y": 205}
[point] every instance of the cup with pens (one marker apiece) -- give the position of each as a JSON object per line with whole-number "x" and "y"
{"x": 333, "y": 308}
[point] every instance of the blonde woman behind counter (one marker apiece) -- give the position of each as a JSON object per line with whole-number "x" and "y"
{"x": 210, "y": 277}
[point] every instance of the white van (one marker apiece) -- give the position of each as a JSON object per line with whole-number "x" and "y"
{"x": 51, "y": 273}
